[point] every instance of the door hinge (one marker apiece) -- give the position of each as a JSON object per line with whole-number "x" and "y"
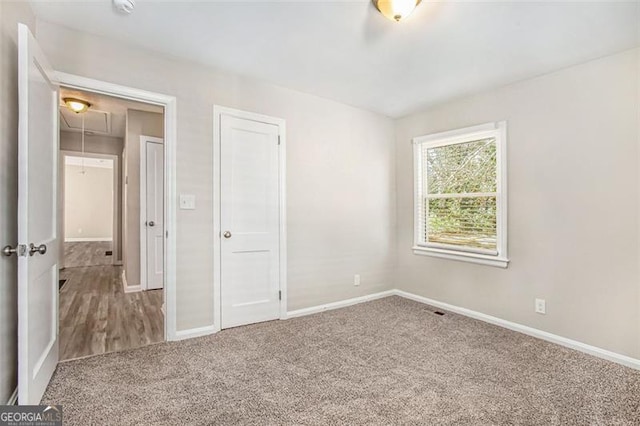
{"x": 279, "y": 294}
{"x": 278, "y": 139}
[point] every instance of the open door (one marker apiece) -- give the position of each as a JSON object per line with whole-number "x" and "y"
{"x": 37, "y": 221}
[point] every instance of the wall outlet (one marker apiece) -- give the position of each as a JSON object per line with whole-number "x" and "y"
{"x": 356, "y": 280}
{"x": 541, "y": 306}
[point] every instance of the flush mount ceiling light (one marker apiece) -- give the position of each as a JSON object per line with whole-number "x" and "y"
{"x": 76, "y": 105}
{"x": 396, "y": 10}
{"x": 124, "y": 6}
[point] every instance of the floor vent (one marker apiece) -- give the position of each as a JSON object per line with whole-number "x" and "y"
{"x": 438, "y": 313}
{"x": 108, "y": 253}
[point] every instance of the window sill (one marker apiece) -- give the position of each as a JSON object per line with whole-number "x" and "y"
{"x": 498, "y": 262}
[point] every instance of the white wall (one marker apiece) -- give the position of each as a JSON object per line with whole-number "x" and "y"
{"x": 88, "y": 200}
{"x": 573, "y": 205}
{"x": 10, "y": 14}
{"x": 138, "y": 123}
{"x": 340, "y": 172}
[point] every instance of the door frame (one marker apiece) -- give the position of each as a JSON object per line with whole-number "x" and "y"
{"x": 170, "y": 206}
{"x": 218, "y": 111}
{"x": 115, "y": 236}
{"x": 143, "y": 205}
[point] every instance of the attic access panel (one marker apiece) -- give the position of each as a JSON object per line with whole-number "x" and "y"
{"x": 94, "y": 121}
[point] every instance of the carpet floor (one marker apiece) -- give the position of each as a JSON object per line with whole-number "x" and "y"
{"x": 390, "y": 361}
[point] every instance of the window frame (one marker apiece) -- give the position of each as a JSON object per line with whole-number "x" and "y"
{"x": 499, "y": 257}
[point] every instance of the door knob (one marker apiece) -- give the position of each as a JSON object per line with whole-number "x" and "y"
{"x": 152, "y": 223}
{"x": 33, "y": 249}
{"x": 8, "y": 250}
{"x": 227, "y": 234}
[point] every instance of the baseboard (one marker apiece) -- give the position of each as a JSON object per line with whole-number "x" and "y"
{"x": 117, "y": 262}
{"x": 132, "y": 289}
{"x": 194, "y": 332}
{"x": 340, "y": 304}
{"x": 86, "y": 240}
{"x": 534, "y": 332}
{"x": 126, "y": 287}
{"x": 13, "y": 399}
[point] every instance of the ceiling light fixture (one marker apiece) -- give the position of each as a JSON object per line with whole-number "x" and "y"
{"x": 124, "y": 6}
{"x": 396, "y": 10}
{"x": 76, "y": 105}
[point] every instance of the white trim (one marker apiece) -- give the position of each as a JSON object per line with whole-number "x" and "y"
{"x": 217, "y": 249}
{"x": 493, "y": 129}
{"x": 340, "y": 304}
{"x": 195, "y": 332}
{"x": 170, "y": 139}
{"x": 126, "y": 288}
{"x": 549, "y": 337}
{"x": 79, "y": 240}
{"x": 13, "y": 399}
{"x": 464, "y": 256}
{"x": 143, "y": 206}
{"x": 451, "y": 136}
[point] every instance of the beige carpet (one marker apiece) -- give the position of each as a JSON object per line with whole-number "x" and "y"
{"x": 391, "y": 361}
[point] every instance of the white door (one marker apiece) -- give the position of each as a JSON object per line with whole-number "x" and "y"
{"x": 249, "y": 219}
{"x": 37, "y": 221}
{"x": 153, "y": 192}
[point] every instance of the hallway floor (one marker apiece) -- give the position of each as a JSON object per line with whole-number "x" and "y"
{"x": 87, "y": 253}
{"x": 97, "y": 317}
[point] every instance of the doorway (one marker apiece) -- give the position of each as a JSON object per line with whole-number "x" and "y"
{"x": 90, "y": 198}
{"x": 250, "y": 223}
{"x": 105, "y": 301}
{"x": 39, "y": 210}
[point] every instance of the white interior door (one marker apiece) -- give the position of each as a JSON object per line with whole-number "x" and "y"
{"x": 153, "y": 191}
{"x": 37, "y": 221}
{"x": 249, "y": 218}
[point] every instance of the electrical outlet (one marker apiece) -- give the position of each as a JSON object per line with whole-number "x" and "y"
{"x": 356, "y": 280}
{"x": 541, "y": 306}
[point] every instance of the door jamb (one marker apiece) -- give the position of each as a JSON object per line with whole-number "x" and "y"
{"x": 116, "y": 237}
{"x": 143, "y": 206}
{"x": 170, "y": 139}
{"x": 218, "y": 111}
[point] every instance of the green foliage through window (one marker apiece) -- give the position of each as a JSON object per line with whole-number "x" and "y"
{"x": 460, "y": 197}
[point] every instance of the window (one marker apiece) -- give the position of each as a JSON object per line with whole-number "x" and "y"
{"x": 460, "y": 194}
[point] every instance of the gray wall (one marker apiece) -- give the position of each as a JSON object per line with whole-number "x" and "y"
{"x": 72, "y": 141}
{"x": 10, "y": 14}
{"x": 340, "y": 171}
{"x": 573, "y": 205}
{"x": 138, "y": 123}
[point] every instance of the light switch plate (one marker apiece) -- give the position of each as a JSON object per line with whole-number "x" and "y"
{"x": 187, "y": 202}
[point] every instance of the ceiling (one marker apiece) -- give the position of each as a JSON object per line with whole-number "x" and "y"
{"x": 345, "y": 50}
{"x": 106, "y": 116}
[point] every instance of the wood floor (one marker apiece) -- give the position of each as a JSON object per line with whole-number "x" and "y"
{"x": 87, "y": 253}
{"x": 97, "y": 317}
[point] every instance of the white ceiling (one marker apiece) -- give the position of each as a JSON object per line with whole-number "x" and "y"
{"x": 106, "y": 116}
{"x": 345, "y": 50}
